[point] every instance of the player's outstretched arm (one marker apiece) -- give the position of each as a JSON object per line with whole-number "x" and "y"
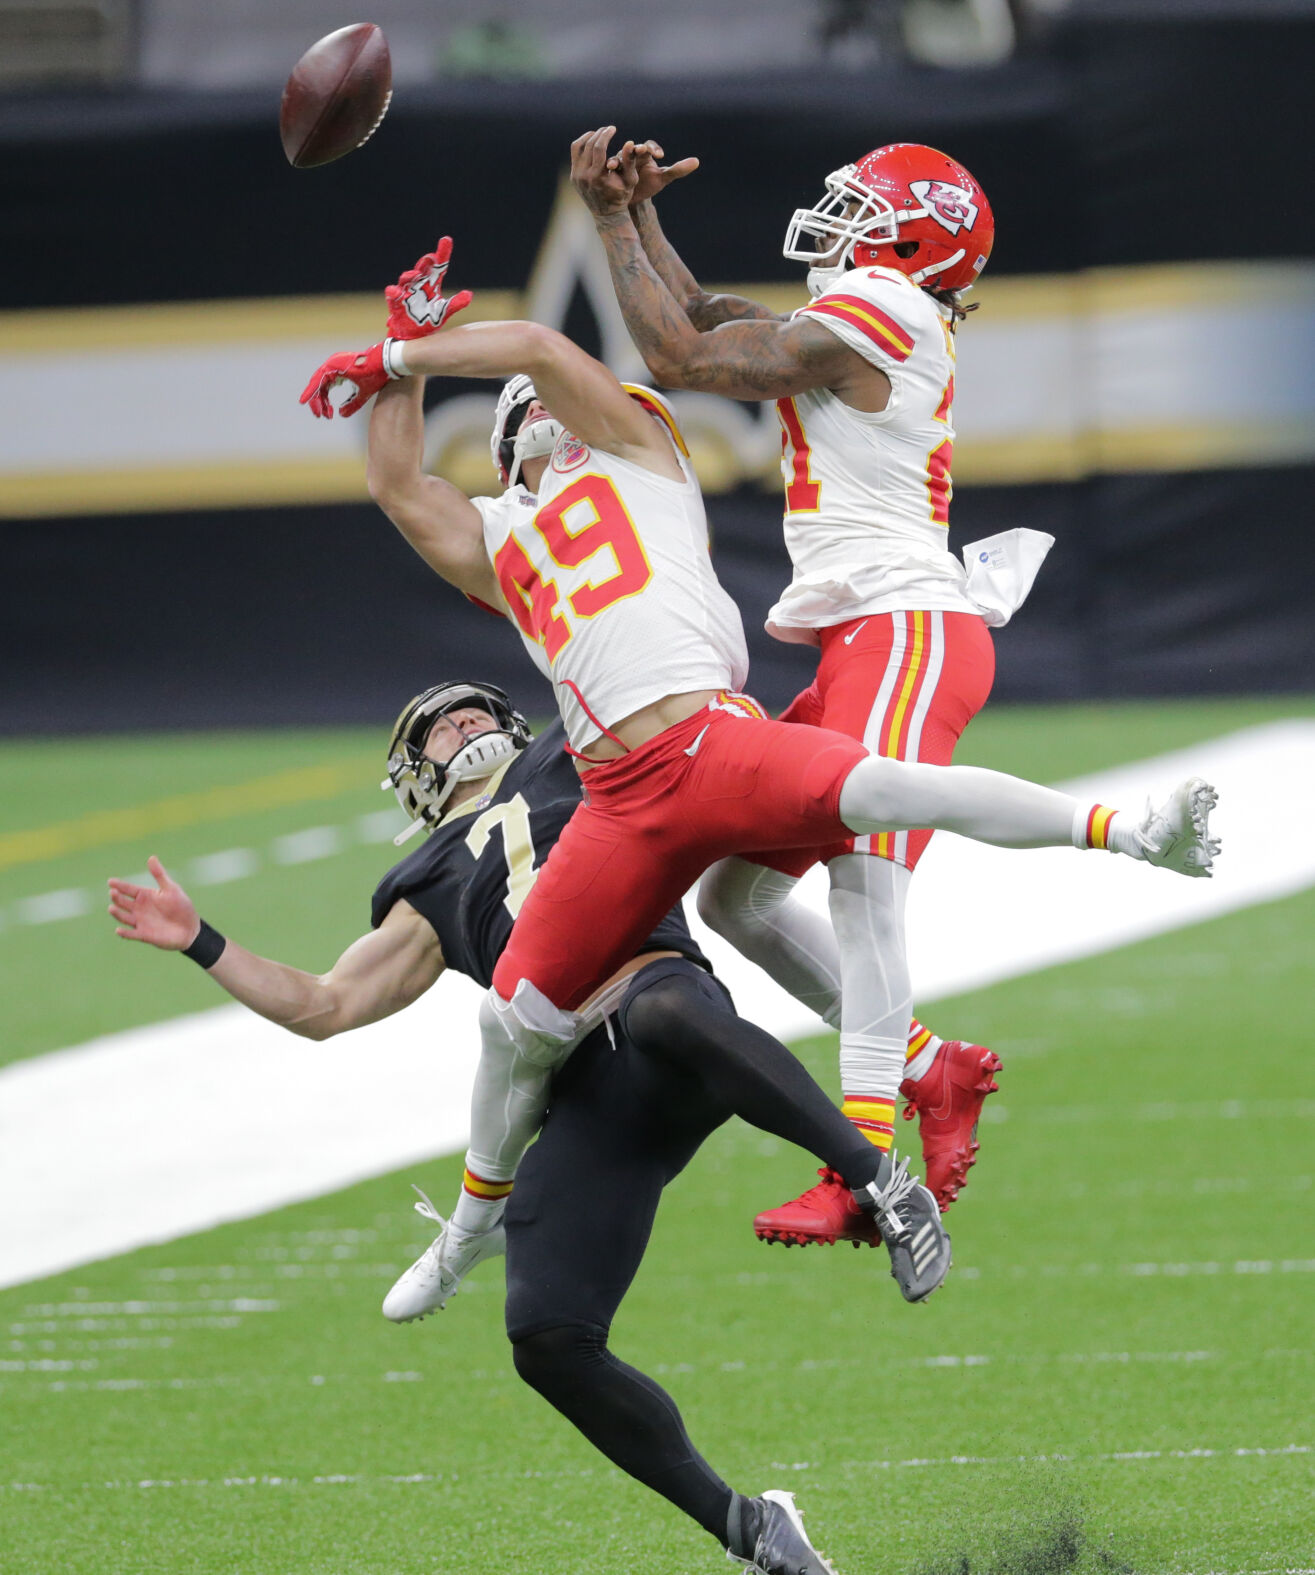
{"x": 704, "y": 310}
{"x": 579, "y": 391}
{"x": 437, "y": 518}
{"x": 375, "y": 977}
{"x": 763, "y": 359}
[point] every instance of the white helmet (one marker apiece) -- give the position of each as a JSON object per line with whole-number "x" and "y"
{"x": 510, "y": 443}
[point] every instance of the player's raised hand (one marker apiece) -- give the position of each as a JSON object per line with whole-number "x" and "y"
{"x": 161, "y": 915}
{"x": 604, "y": 182}
{"x": 362, "y": 370}
{"x": 652, "y": 177}
{"x": 416, "y": 303}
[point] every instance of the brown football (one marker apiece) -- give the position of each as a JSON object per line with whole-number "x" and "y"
{"x": 336, "y": 96}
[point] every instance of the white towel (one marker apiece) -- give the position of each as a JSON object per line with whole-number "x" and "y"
{"x": 1001, "y": 570}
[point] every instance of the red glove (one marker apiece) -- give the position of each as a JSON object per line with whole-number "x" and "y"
{"x": 416, "y": 305}
{"x": 363, "y": 369}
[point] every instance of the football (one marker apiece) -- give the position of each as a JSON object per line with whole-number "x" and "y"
{"x": 336, "y": 96}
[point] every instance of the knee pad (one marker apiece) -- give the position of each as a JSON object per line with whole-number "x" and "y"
{"x": 540, "y": 1031}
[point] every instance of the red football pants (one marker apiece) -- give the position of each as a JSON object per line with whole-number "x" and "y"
{"x": 723, "y": 780}
{"x": 906, "y": 684}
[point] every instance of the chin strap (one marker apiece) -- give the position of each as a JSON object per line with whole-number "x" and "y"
{"x": 923, "y": 274}
{"x": 537, "y": 443}
{"x": 413, "y": 830}
{"x": 820, "y": 280}
{"x": 479, "y": 757}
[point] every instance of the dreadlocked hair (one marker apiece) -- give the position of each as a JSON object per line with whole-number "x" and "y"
{"x": 953, "y": 302}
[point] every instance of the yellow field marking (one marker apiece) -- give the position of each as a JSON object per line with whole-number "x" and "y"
{"x": 106, "y": 826}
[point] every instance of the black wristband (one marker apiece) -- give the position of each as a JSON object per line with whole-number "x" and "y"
{"x": 208, "y": 947}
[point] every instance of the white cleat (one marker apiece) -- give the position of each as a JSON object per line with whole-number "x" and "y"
{"x": 436, "y": 1275}
{"x": 1177, "y": 835}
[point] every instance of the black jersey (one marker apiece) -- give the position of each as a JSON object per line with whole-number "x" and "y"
{"x": 471, "y": 873}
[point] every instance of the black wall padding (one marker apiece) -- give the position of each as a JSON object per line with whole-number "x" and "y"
{"x": 1126, "y": 143}
{"x": 1158, "y": 585}
{"x": 159, "y": 199}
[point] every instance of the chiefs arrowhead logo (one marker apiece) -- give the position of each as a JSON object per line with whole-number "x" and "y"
{"x": 950, "y": 206}
{"x": 570, "y": 452}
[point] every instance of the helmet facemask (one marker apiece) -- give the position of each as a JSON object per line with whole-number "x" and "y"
{"x": 512, "y": 442}
{"x": 423, "y": 786}
{"x": 849, "y": 214}
{"x": 854, "y": 224}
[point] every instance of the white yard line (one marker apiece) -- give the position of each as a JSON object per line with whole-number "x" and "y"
{"x": 1132, "y": 1457}
{"x": 147, "y": 1135}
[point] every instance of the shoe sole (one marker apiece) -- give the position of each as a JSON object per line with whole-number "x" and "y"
{"x": 798, "y": 1239}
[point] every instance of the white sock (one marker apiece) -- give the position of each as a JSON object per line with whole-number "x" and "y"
{"x": 474, "y": 1215}
{"x": 507, "y": 1106}
{"x": 892, "y": 795}
{"x": 919, "y": 1065}
{"x": 755, "y": 910}
{"x": 1121, "y": 836}
{"x": 867, "y": 910}
{"x": 1114, "y": 830}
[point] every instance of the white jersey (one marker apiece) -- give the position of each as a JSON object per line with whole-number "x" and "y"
{"x": 867, "y": 496}
{"x": 607, "y": 574}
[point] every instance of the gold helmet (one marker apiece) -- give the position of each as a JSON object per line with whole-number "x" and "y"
{"x": 424, "y": 786}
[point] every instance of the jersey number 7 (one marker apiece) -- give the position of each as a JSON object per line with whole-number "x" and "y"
{"x": 535, "y": 602}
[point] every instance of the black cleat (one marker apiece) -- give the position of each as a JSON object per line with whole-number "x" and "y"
{"x": 780, "y": 1545}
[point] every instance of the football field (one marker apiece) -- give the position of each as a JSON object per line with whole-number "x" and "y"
{"x": 1117, "y": 1376}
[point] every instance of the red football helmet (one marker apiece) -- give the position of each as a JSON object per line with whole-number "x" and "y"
{"x": 901, "y": 194}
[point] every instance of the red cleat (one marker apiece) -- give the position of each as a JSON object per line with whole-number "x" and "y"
{"x": 948, "y": 1100}
{"x": 825, "y": 1213}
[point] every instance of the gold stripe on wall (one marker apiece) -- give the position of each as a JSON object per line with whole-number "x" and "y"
{"x": 187, "y": 324}
{"x": 1051, "y": 301}
{"x": 1002, "y": 462}
{"x": 1204, "y": 447}
{"x": 40, "y": 495}
{"x": 357, "y": 316}
{"x": 1146, "y": 448}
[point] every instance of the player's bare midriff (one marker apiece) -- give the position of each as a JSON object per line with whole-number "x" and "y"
{"x": 640, "y": 726}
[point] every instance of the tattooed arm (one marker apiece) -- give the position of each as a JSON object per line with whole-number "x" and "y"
{"x": 746, "y": 359}
{"x": 703, "y": 310}
{"x": 643, "y": 177}
{"x": 750, "y": 354}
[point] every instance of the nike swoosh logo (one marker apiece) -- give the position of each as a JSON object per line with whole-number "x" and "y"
{"x": 694, "y": 747}
{"x": 854, "y": 633}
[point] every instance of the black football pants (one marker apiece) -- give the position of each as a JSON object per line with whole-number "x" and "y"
{"x": 627, "y": 1114}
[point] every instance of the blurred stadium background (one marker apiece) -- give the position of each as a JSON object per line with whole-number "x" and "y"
{"x": 206, "y": 628}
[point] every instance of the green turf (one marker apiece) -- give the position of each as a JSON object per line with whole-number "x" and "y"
{"x": 69, "y": 980}
{"x": 253, "y": 1412}
{"x": 234, "y": 1402}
